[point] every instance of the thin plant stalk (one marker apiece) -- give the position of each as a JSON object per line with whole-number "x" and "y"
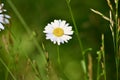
{"x": 115, "y": 33}
{"x": 103, "y": 54}
{"x": 7, "y": 73}
{"x": 98, "y": 66}
{"x": 78, "y": 37}
{"x": 75, "y": 26}
{"x": 116, "y": 37}
{"x": 104, "y": 66}
{"x": 60, "y": 66}
{"x": 26, "y": 28}
{"x": 98, "y": 70}
{"x": 34, "y": 68}
{"x": 58, "y": 54}
{"x": 8, "y": 69}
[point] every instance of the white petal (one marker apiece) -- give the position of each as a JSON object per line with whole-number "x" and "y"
{"x": 6, "y": 21}
{"x": 1, "y": 11}
{"x": 62, "y": 24}
{"x": 1, "y": 15}
{"x": 66, "y": 37}
{"x": 4, "y": 10}
{"x": 48, "y": 29}
{"x": 55, "y": 23}
{"x": 67, "y": 24}
{"x": 49, "y": 36}
{"x": 58, "y": 41}
{"x": 67, "y": 30}
{"x": 1, "y": 26}
{"x": 61, "y": 40}
{"x": 1, "y": 5}
{"x": 7, "y": 16}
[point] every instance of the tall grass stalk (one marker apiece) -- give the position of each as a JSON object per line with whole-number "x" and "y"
{"x": 8, "y": 69}
{"x": 79, "y": 40}
{"x": 115, "y": 34}
{"x": 26, "y": 28}
{"x": 58, "y": 59}
{"x": 98, "y": 65}
{"x": 114, "y": 26}
{"x": 58, "y": 52}
{"x": 29, "y": 33}
{"x": 103, "y": 54}
{"x": 116, "y": 38}
{"x": 34, "y": 67}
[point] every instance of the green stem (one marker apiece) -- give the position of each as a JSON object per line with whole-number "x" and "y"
{"x": 8, "y": 69}
{"x": 116, "y": 38}
{"x": 26, "y": 28}
{"x": 78, "y": 37}
{"x": 63, "y": 76}
{"x": 98, "y": 68}
{"x": 76, "y": 30}
{"x": 34, "y": 67}
{"x": 58, "y": 52}
{"x": 104, "y": 66}
{"x": 103, "y": 54}
{"x": 6, "y": 75}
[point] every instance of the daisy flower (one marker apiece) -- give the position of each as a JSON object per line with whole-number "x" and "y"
{"x": 4, "y": 18}
{"x": 58, "y": 31}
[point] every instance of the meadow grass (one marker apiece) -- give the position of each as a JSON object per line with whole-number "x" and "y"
{"x": 30, "y": 59}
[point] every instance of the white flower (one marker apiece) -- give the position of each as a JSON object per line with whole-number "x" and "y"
{"x": 4, "y": 18}
{"x": 58, "y": 31}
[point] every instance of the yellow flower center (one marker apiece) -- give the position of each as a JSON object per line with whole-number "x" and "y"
{"x": 58, "y": 32}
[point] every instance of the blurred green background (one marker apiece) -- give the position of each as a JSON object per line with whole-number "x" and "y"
{"x": 37, "y": 14}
